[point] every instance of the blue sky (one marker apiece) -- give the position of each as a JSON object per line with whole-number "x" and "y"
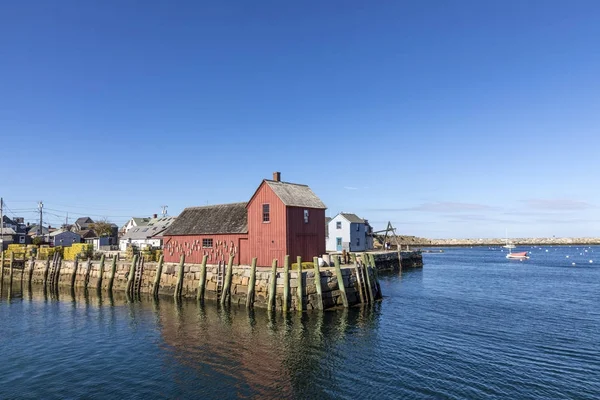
{"x": 450, "y": 119}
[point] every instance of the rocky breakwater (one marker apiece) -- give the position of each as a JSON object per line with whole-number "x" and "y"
{"x": 516, "y": 241}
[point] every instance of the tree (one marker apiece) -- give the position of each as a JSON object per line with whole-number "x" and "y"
{"x": 102, "y": 228}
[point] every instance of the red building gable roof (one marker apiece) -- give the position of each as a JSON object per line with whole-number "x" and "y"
{"x": 292, "y": 194}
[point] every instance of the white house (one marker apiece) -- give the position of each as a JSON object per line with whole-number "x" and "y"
{"x": 146, "y": 235}
{"x": 348, "y": 232}
{"x": 135, "y": 221}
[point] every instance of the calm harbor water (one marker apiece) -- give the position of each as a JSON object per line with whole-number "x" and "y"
{"x": 470, "y": 325}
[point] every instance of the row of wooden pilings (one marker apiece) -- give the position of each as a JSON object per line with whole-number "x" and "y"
{"x": 365, "y": 288}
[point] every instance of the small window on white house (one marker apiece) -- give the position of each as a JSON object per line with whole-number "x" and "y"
{"x": 306, "y": 216}
{"x": 207, "y": 243}
{"x": 338, "y": 225}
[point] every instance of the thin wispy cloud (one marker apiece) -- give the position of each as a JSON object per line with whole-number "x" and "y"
{"x": 558, "y": 204}
{"x": 350, "y": 188}
{"x": 442, "y": 207}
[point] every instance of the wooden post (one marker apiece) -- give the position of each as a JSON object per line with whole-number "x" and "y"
{"x": 340, "y": 279}
{"x": 1, "y": 261}
{"x": 286, "y": 284}
{"x": 88, "y": 268}
{"x": 227, "y": 286}
{"x": 74, "y": 273}
{"x": 366, "y": 261}
{"x": 46, "y": 270}
{"x": 179, "y": 284}
{"x": 400, "y": 259}
{"x": 159, "y": 268}
{"x": 10, "y": 267}
{"x": 57, "y": 273}
{"x": 113, "y": 272}
{"x": 251, "y": 285}
{"x": 318, "y": 283}
{"x": 31, "y": 266}
{"x": 100, "y": 273}
{"x": 202, "y": 283}
{"x": 273, "y": 286}
{"x": 358, "y": 279}
{"x": 378, "y": 295}
{"x": 300, "y": 293}
{"x": 131, "y": 275}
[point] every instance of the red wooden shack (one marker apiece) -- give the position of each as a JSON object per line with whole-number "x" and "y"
{"x": 280, "y": 219}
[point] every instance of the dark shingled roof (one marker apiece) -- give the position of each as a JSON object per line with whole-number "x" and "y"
{"x": 353, "y": 218}
{"x": 295, "y": 195}
{"x": 216, "y": 219}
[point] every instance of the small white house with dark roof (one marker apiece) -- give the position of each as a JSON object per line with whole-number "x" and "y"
{"x": 347, "y": 231}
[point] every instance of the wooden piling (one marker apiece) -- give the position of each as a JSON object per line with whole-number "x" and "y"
{"x": 178, "y": 286}
{"x": 273, "y": 286}
{"x": 366, "y": 262}
{"x": 300, "y": 292}
{"x": 318, "y": 283}
{"x": 227, "y": 286}
{"x": 1, "y": 265}
{"x": 159, "y": 268}
{"x": 358, "y": 279}
{"x": 202, "y": 283}
{"x": 74, "y": 273}
{"x": 88, "y": 268}
{"x": 10, "y": 267}
{"x": 286, "y": 284}
{"x": 57, "y": 273}
{"x": 340, "y": 279}
{"x": 378, "y": 295}
{"x": 31, "y": 266}
{"x": 100, "y": 273}
{"x": 46, "y": 270}
{"x": 251, "y": 285}
{"x": 131, "y": 275}
{"x": 113, "y": 272}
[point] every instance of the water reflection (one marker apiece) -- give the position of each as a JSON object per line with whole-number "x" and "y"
{"x": 221, "y": 351}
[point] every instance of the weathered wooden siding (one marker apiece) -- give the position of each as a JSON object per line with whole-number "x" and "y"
{"x": 305, "y": 239}
{"x": 191, "y": 246}
{"x": 267, "y": 240}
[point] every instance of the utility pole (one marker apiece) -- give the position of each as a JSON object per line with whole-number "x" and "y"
{"x": 164, "y": 210}
{"x": 41, "y": 207}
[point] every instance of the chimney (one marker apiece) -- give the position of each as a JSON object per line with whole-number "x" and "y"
{"x": 277, "y": 176}
{"x": 154, "y": 216}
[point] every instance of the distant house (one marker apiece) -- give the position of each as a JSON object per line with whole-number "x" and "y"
{"x": 349, "y": 232}
{"x": 134, "y": 222}
{"x": 148, "y": 233}
{"x": 83, "y": 223}
{"x": 64, "y": 238}
{"x": 280, "y": 219}
{"x": 14, "y": 232}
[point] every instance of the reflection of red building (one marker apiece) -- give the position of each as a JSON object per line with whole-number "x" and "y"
{"x": 280, "y": 219}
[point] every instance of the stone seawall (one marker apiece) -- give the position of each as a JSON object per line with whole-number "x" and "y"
{"x": 87, "y": 275}
{"x": 388, "y": 261}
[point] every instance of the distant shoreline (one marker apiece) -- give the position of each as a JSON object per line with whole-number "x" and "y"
{"x": 502, "y": 242}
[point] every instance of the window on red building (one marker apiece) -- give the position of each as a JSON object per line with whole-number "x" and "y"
{"x": 207, "y": 243}
{"x": 266, "y": 213}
